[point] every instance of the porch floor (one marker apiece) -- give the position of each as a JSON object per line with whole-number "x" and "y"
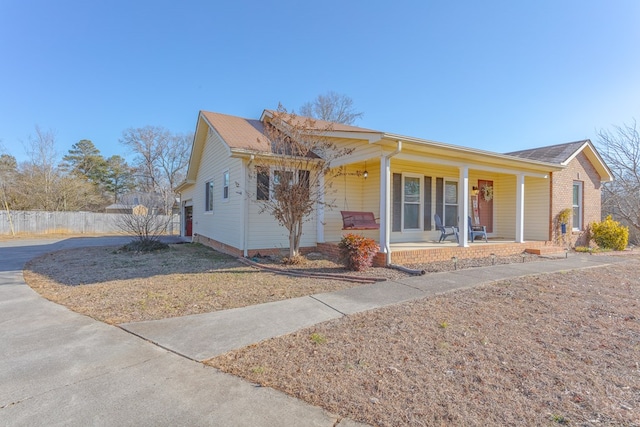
{"x": 425, "y": 252}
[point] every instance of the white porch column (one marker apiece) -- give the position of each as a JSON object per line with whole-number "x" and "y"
{"x": 520, "y": 209}
{"x": 320, "y": 210}
{"x": 463, "y": 202}
{"x": 385, "y": 204}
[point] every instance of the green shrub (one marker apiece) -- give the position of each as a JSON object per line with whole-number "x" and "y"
{"x": 610, "y": 234}
{"x": 357, "y": 252}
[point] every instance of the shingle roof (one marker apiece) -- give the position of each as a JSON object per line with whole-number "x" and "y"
{"x": 238, "y": 132}
{"x": 551, "y": 154}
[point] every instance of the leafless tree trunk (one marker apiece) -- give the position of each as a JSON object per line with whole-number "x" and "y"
{"x": 297, "y": 176}
{"x": 161, "y": 159}
{"x": 332, "y": 107}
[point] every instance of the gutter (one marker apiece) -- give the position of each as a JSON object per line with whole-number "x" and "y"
{"x": 245, "y": 213}
{"x": 387, "y": 207}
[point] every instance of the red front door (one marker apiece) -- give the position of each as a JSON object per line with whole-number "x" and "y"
{"x": 188, "y": 216}
{"x": 485, "y": 207}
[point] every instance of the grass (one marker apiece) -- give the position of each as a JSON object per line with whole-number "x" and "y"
{"x": 117, "y": 286}
{"x": 553, "y": 349}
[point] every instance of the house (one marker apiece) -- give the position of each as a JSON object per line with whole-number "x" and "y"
{"x": 403, "y": 181}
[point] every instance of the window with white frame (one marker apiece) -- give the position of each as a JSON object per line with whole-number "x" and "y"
{"x": 450, "y": 203}
{"x": 577, "y": 205}
{"x": 266, "y": 182}
{"x": 225, "y": 185}
{"x": 411, "y": 202}
{"x": 208, "y": 196}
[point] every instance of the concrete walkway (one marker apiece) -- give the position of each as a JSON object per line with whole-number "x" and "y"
{"x": 59, "y": 368}
{"x": 202, "y": 336}
{"x": 62, "y": 368}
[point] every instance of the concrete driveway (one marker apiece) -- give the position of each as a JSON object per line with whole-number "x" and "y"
{"x": 62, "y": 368}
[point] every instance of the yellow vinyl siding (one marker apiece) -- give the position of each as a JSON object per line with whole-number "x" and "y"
{"x": 536, "y": 208}
{"x": 224, "y": 222}
{"x": 504, "y": 208}
{"x": 264, "y": 232}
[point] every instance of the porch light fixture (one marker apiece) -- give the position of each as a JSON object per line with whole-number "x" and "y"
{"x": 365, "y": 174}
{"x": 474, "y": 190}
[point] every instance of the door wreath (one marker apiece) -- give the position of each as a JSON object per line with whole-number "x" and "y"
{"x": 487, "y": 192}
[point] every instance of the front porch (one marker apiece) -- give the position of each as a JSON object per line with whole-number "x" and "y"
{"x": 425, "y": 252}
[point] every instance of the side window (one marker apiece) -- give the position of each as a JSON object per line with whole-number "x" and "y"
{"x": 282, "y": 182}
{"x": 577, "y": 205}
{"x": 225, "y": 185}
{"x": 208, "y": 196}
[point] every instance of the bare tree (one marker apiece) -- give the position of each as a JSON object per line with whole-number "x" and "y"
{"x": 332, "y": 107}
{"x": 620, "y": 149}
{"x": 39, "y": 176}
{"x": 8, "y": 174}
{"x": 172, "y": 163}
{"x": 297, "y": 177}
{"x": 146, "y": 224}
{"x": 161, "y": 159}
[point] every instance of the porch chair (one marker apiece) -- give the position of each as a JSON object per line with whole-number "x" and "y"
{"x": 477, "y": 231}
{"x": 443, "y": 230}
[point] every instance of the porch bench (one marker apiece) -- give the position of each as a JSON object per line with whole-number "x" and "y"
{"x": 352, "y": 220}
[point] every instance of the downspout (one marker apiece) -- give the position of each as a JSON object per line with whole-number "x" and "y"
{"x": 387, "y": 195}
{"x": 245, "y": 214}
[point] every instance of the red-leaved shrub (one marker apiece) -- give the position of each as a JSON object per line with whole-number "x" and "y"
{"x": 357, "y": 252}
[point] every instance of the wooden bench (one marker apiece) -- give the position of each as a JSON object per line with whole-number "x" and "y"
{"x": 359, "y": 221}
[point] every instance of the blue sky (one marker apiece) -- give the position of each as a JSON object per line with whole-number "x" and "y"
{"x": 495, "y": 75}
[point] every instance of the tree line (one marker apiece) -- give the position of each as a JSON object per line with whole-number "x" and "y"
{"x": 85, "y": 180}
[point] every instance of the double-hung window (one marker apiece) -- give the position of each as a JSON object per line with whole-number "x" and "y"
{"x": 412, "y": 200}
{"x": 267, "y": 184}
{"x": 577, "y": 205}
{"x": 208, "y": 196}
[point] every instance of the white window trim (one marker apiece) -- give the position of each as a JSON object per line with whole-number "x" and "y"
{"x": 580, "y": 205}
{"x": 420, "y": 204}
{"x": 227, "y": 175}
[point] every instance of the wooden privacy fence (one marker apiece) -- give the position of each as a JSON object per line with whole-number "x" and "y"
{"x": 41, "y": 222}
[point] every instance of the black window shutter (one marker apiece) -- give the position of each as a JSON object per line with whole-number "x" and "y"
{"x": 396, "y": 214}
{"x": 207, "y": 196}
{"x": 440, "y": 197}
{"x": 262, "y": 185}
{"x": 427, "y": 203}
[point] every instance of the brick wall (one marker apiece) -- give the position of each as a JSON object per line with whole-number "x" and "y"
{"x": 421, "y": 256}
{"x": 579, "y": 169}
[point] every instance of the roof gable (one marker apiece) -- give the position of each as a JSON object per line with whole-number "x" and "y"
{"x": 238, "y": 132}
{"x": 558, "y": 153}
{"x": 562, "y": 154}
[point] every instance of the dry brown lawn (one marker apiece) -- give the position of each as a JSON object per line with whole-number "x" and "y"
{"x": 119, "y": 287}
{"x": 556, "y": 349}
